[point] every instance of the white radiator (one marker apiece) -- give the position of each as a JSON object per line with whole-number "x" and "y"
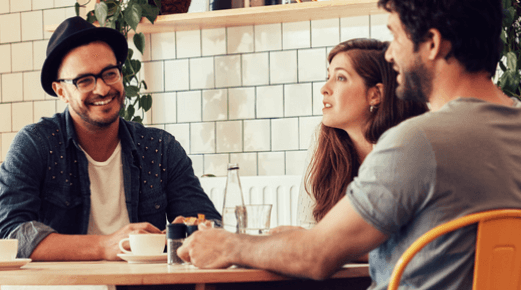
{"x": 281, "y": 191}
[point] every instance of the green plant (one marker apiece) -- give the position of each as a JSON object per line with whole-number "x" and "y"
{"x": 510, "y": 79}
{"x": 124, "y": 16}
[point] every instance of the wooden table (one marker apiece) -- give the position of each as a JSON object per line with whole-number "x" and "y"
{"x": 163, "y": 276}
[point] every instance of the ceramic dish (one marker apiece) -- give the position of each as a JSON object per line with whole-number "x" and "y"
{"x": 14, "y": 264}
{"x": 135, "y": 259}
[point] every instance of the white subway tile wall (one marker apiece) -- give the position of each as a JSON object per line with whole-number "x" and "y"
{"x": 176, "y": 75}
{"x": 4, "y": 6}
{"x": 5, "y": 58}
{"x": 215, "y": 105}
{"x": 32, "y": 25}
{"x": 241, "y": 103}
{"x": 268, "y": 37}
{"x": 21, "y": 54}
{"x": 248, "y": 94}
{"x": 43, "y": 109}
{"x": 325, "y": 32}
{"x": 240, "y": 39}
{"x": 12, "y": 87}
{"x": 5, "y": 118}
{"x": 20, "y": 5}
{"x": 22, "y": 115}
{"x": 10, "y": 28}
{"x": 213, "y": 41}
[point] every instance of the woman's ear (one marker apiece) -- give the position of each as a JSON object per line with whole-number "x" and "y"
{"x": 375, "y": 94}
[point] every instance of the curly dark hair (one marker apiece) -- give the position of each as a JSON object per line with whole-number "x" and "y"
{"x": 472, "y": 26}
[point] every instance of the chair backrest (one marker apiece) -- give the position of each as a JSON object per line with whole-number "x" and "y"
{"x": 497, "y": 262}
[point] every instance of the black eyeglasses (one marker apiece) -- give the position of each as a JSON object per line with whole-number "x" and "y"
{"x": 87, "y": 83}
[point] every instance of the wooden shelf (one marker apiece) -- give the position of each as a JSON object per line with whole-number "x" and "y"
{"x": 259, "y": 15}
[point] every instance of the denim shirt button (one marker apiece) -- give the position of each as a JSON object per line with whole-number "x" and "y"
{"x": 67, "y": 203}
{"x": 157, "y": 206}
{"x": 151, "y": 186}
{"x": 145, "y": 182}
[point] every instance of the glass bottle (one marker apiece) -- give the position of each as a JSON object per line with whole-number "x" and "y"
{"x": 234, "y": 211}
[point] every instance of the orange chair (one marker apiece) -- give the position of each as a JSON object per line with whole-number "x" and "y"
{"x": 497, "y": 263}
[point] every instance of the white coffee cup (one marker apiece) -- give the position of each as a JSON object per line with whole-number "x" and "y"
{"x": 8, "y": 249}
{"x": 144, "y": 244}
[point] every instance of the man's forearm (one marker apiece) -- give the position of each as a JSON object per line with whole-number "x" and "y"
{"x": 58, "y": 247}
{"x": 294, "y": 253}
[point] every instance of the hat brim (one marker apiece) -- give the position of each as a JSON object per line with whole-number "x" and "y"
{"x": 112, "y": 37}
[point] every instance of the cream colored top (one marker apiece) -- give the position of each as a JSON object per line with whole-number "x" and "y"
{"x": 306, "y": 202}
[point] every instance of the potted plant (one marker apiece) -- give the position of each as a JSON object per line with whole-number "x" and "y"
{"x": 124, "y": 16}
{"x": 510, "y": 64}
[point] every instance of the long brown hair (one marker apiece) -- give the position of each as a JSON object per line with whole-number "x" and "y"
{"x": 335, "y": 161}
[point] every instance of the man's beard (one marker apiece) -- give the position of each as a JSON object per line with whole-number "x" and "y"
{"x": 416, "y": 84}
{"x": 119, "y": 97}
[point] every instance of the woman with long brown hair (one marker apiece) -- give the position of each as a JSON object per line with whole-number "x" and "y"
{"x": 359, "y": 106}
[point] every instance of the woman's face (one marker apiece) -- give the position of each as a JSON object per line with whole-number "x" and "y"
{"x": 346, "y": 105}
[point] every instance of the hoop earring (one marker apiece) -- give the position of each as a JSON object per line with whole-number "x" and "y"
{"x": 372, "y": 108}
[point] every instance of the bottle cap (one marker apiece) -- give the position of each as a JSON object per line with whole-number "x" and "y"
{"x": 191, "y": 229}
{"x": 232, "y": 166}
{"x": 175, "y": 231}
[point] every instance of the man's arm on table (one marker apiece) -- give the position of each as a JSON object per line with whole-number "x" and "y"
{"x": 59, "y": 247}
{"x": 340, "y": 237}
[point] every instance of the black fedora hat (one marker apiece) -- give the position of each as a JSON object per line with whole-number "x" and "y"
{"x": 74, "y": 32}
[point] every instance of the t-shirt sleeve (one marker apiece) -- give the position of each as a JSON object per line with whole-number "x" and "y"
{"x": 395, "y": 180}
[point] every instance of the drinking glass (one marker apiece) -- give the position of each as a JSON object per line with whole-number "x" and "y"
{"x": 258, "y": 219}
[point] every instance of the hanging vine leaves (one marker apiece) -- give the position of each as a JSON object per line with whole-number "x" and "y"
{"x": 510, "y": 64}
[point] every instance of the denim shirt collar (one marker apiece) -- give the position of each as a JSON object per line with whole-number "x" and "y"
{"x": 126, "y": 131}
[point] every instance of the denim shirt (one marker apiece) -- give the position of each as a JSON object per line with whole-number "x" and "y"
{"x": 45, "y": 186}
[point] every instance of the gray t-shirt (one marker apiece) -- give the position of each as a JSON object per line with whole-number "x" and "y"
{"x": 461, "y": 159}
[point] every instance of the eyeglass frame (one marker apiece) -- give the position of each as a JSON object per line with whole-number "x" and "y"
{"x": 96, "y": 77}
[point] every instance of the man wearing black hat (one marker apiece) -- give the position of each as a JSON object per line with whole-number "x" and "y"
{"x": 72, "y": 186}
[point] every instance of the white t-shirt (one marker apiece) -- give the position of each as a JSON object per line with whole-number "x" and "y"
{"x": 108, "y": 210}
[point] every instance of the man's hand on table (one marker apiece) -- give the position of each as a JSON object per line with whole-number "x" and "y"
{"x": 209, "y": 248}
{"x": 110, "y": 243}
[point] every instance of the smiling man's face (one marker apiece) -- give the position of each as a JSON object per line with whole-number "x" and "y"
{"x": 100, "y": 107}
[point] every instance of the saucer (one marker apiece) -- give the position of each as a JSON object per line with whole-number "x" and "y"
{"x": 14, "y": 264}
{"x": 135, "y": 259}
